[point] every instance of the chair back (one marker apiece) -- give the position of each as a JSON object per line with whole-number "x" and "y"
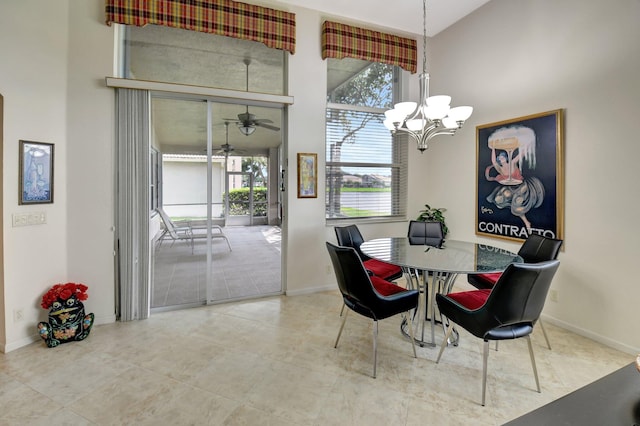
{"x": 520, "y": 293}
{"x": 537, "y": 248}
{"x": 350, "y": 236}
{"x": 352, "y": 277}
{"x": 425, "y": 233}
{"x": 358, "y": 291}
{"x": 171, "y": 227}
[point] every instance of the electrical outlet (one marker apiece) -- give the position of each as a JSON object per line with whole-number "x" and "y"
{"x": 553, "y": 295}
{"x": 18, "y": 315}
{"x": 328, "y": 269}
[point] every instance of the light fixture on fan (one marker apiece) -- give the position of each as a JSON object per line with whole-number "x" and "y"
{"x": 432, "y": 116}
{"x": 246, "y": 129}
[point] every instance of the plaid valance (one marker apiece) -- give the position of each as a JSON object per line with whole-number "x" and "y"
{"x": 340, "y": 41}
{"x": 274, "y": 28}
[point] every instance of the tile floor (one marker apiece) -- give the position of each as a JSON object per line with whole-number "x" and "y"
{"x": 272, "y": 362}
{"x": 251, "y": 269}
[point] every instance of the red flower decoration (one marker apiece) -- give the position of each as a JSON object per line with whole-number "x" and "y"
{"x": 63, "y": 292}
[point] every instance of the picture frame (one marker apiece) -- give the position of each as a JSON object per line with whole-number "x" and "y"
{"x": 307, "y": 175}
{"x": 519, "y": 177}
{"x": 35, "y": 181}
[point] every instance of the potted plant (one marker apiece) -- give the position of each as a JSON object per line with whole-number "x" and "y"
{"x": 430, "y": 214}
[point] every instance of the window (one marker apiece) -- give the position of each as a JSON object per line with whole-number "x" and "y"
{"x": 366, "y": 168}
{"x": 173, "y": 55}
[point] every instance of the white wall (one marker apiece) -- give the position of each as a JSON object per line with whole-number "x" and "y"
{"x": 33, "y": 81}
{"x": 557, "y": 54}
{"x": 184, "y": 183}
{"x": 515, "y": 58}
{"x": 91, "y": 153}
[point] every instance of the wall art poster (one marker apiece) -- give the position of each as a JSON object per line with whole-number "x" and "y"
{"x": 519, "y": 177}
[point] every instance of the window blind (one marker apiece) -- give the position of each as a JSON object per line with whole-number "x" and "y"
{"x": 365, "y": 168}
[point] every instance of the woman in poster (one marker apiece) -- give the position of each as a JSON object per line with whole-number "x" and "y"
{"x": 515, "y": 191}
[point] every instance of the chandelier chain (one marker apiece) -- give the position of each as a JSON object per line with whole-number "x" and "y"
{"x": 424, "y": 36}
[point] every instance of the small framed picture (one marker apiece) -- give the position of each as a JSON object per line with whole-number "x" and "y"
{"x": 35, "y": 183}
{"x": 307, "y": 175}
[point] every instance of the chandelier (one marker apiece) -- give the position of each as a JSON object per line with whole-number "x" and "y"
{"x": 432, "y": 116}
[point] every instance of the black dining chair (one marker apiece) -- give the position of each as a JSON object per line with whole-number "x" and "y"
{"x": 535, "y": 248}
{"x": 508, "y": 311}
{"x": 361, "y": 296}
{"x": 350, "y": 236}
{"x": 428, "y": 233}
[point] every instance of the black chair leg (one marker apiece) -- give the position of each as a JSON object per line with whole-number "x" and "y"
{"x": 544, "y": 332}
{"x": 444, "y": 342}
{"x": 485, "y": 357}
{"x": 344, "y": 319}
{"x": 375, "y": 347}
{"x": 413, "y": 340}
{"x": 533, "y": 363}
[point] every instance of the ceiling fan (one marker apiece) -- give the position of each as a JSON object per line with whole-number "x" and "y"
{"x": 225, "y": 148}
{"x": 248, "y": 122}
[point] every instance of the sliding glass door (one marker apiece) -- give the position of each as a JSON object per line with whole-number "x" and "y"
{"x": 212, "y": 193}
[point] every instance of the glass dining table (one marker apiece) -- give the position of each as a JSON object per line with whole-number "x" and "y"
{"x": 434, "y": 268}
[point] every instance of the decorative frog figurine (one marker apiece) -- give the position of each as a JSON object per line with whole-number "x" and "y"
{"x": 67, "y": 319}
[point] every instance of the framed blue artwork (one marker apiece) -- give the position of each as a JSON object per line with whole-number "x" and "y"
{"x": 520, "y": 177}
{"x": 35, "y": 184}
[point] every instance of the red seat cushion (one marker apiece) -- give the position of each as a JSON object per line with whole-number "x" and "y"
{"x": 490, "y": 279}
{"x": 471, "y": 300}
{"x": 384, "y": 287}
{"x": 382, "y": 269}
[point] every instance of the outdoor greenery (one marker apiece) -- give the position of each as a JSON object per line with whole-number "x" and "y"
{"x": 353, "y": 212}
{"x": 239, "y": 201}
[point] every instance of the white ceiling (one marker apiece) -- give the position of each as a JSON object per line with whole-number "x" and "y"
{"x": 401, "y": 15}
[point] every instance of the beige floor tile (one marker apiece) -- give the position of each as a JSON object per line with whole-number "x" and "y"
{"x": 272, "y": 362}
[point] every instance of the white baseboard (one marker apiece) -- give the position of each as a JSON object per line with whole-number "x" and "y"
{"x": 12, "y": 346}
{"x": 593, "y": 336}
{"x": 304, "y": 291}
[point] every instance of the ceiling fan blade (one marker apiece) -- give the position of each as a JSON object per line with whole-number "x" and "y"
{"x": 267, "y": 126}
{"x": 263, "y": 120}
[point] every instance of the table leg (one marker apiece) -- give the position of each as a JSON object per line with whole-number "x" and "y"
{"x": 426, "y": 311}
{"x": 415, "y": 281}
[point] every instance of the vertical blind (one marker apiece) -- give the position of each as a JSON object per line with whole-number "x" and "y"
{"x": 366, "y": 170}
{"x": 346, "y": 41}
{"x": 132, "y": 204}
{"x": 274, "y": 28}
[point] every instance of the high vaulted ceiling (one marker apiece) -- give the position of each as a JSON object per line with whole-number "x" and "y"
{"x": 180, "y": 126}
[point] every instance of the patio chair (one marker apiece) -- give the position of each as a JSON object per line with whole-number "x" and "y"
{"x": 172, "y": 231}
{"x": 189, "y": 230}
{"x": 200, "y": 231}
